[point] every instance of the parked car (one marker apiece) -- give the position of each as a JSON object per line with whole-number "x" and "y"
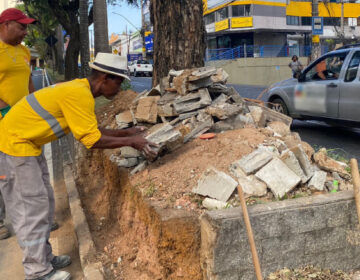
{"x": 328, "y": 89}
{"x": 138, "y": 67}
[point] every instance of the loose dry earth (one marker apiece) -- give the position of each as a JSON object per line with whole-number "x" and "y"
{"x": 127, "y": 214}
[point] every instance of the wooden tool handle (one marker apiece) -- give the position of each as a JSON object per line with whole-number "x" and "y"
{"x": 356, "y": 183}
{"x": 250, "y": 234}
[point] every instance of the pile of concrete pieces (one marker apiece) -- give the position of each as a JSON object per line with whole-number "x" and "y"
{"x": 278, "y": 166}
{"x": 186, "y": 104}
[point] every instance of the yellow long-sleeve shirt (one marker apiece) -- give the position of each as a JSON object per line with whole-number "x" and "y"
{"x": 47, "y": 114}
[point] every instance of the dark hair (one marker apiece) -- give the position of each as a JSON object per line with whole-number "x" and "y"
{"x": 294, "y": 56}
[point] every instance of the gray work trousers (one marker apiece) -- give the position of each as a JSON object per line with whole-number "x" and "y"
{"x": 29, "y": 200}
{"x": 2, "y": 210}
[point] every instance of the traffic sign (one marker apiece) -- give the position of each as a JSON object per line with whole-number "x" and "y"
{"x": 317, "y": 25}
{"x": 51, "y": 40}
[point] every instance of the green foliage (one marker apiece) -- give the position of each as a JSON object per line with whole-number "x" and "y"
{"x": 45, "y": 25}
{"x": 126, "y": 85}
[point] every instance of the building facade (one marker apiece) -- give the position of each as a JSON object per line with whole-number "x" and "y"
{"x": 4, "y": 4}
{"x": 270, "y": 27}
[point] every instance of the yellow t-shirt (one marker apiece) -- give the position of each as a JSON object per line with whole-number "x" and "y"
{"x": 14, "y": 72}
{"x": 23, "y": 130}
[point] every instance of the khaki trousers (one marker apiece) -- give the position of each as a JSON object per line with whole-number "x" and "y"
{"x": 29, "y": 200}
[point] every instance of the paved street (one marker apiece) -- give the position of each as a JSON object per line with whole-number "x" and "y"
{"x": 318, "y": 134}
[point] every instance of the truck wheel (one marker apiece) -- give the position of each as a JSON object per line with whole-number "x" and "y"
{"x": 135, "y": 73}
{"x": 280, "y": 106}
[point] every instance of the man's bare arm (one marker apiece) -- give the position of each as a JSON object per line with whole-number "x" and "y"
{"x": 138, "y": 142}
{"x": 122, "y": 132}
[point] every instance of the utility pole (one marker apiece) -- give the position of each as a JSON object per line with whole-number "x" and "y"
{"x": 342, "y": 21}
{"x": 143, "y": 29}
{"x": 316, "y": 49}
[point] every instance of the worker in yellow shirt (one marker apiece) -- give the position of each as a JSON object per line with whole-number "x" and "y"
{"x": 15, "y": 80}
{"x": 40, "y": 118}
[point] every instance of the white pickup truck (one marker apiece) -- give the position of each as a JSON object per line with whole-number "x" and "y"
{"x": 138, "y": 67}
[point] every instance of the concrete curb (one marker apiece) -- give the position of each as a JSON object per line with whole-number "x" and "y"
{"x": 92, "y": 270}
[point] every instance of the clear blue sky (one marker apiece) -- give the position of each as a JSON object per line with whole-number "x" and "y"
{"x": 117, "y": 24}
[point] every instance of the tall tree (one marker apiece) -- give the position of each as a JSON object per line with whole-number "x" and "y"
{"x": 179, "y": 35}
{"x": 84, "y": 37}
{"x": 101, "y": 36}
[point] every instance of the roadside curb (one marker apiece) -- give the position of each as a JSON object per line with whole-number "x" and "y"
{"x": 87, "y": 251}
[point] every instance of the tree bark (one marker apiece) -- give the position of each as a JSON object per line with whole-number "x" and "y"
{"x": 59, "y": 50}
{"x": 179, "y": 36}
{"x": 101, "y": 36}
{"x": 84, "y": 37}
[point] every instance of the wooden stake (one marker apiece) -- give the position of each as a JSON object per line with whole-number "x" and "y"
{"x": 250, "y": 234}
{"x": 356, "y": 183}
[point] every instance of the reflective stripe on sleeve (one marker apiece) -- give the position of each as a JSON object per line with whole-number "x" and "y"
{"x": 50, "y": 119}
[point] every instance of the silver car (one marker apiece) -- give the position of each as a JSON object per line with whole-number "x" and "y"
{"x": 328, "y": 89}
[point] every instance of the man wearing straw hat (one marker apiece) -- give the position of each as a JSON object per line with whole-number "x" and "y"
{"x": 40, "y": 118}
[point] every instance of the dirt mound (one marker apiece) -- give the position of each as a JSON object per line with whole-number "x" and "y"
{"x": 171, "y": 178}
{"x": 106, "y": 114}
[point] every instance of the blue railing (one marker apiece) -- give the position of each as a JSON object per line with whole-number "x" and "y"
{"x": 260, "y": 51}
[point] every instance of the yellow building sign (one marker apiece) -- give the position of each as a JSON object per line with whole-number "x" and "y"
{"x": 241, "y": 22}
{"x": 222, "y": 25}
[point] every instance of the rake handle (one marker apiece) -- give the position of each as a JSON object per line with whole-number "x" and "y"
{"x": 356, "y": 183}
{"x": 250, "y": 234}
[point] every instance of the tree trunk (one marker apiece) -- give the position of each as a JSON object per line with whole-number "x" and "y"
{"x": 72, "y": 55}
{"x": 179, "y": 36}
{"x": 59, "y": 50}
{"x": 84, "y": 38}
{"x": 101, "y": 27}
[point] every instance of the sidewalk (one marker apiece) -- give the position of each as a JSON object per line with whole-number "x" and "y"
{"x": 62, "y": 240}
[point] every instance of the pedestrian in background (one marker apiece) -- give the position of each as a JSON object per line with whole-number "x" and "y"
{"x": 295, "y": 66}
{"x": 15, "y": 74}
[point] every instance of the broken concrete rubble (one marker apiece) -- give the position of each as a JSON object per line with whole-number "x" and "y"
{"x": 164, "y": 136}
{"x": 253, "y": 161}
{"x": 258, "y": 116}
{"x": 250, "y": 184}
{"x": 279, "y": 178}
{"x": 146, "y": 110}
{"x": 303, "y": 160}
{"x": 192, "y": 101}
{"x": 292, "y": 162}
{"x": 178, "y": 114}
{"x": 328, "y": 164}
{"x": 318, "y": 180}
{"x": 211, "y": 204}
{"x": 215, "y": 184}
{"x": 124, "y": 119}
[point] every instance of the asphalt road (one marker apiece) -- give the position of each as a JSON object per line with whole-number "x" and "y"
{"x": 344, "y": 141}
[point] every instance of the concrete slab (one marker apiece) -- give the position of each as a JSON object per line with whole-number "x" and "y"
{"x": 258, "y": 116}
{"x": 129, "y": 152}
{"x": 250, "y": 184}
{"x": 215, "y": 184}
{"x": 124, "y": 119}
{"x": 203, "y": 83}
{"x": 146, "y": 110}
{"x": 278, "y": 177}
{"x": 202, "y": 73}
{"x": 193, "y": 101}
{"x": 291, "y": 161}
{"x": 211, "y": 204}
{"x": 253, "y": 161}
{"x": 220, "y": 77}
{"x": 303, "y": 160}
{"x": 223, "y": 111}
{"x": 318, "y": 180}
{"x": 164, "y": 135}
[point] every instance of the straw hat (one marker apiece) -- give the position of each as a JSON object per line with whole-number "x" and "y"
{"x": 111, "y": 64}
